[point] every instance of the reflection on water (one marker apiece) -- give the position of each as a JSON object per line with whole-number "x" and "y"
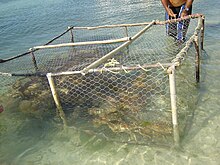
{"x": 40, "y": 139}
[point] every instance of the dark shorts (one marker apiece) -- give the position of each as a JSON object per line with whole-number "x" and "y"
{"x": 177, "y": 30}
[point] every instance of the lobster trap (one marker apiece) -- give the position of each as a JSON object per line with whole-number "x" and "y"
{"x": 125, "y": 82}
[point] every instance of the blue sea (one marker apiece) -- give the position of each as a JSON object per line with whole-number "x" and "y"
{"x": 25, "y": 140}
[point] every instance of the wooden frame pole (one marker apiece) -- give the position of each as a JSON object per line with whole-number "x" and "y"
{"x": 56, "y": 99}
{"x": 82, "y": 43}
{"x": 126, "y": 31}
{"x": 174, "y": 105}
{"x": 71, "y": 34}
{"x": 126, "y": 34}
{"x": 202, "y": 32}
{"x": 115, "y": 69}
{"x": 34, "y": 60}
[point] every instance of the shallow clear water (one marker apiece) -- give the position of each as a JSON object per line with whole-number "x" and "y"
{"x": 26, "y": 139}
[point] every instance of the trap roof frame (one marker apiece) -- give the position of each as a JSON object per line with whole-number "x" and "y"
{"x": 197, "y": 39}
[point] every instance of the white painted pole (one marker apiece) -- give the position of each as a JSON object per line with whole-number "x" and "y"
{"x": 174, "y": 105}
{"x": 56, "y": 99}
{"x": 82, "y": 43}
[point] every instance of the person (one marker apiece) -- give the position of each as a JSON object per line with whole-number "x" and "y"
{"x": 177, "y": 9}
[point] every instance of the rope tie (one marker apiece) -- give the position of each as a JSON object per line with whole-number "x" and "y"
{"x": 124, "y": 69}
{"x": 142, "y": 68}
{"x": 112, "y": 63}
{"x": 162, "y": 66}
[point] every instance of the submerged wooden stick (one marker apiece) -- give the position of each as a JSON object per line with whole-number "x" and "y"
{"x": 197, "y": 58}
{"x": 71, "y": 34}
{"x": 126, "y": 31}
{"x": 202, "y": 32}
{"x": 34, "y": 60}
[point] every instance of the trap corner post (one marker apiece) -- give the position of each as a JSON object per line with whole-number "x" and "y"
{"x": 176, "y": 137}
{"x": 197, "y": 58}
{"x": 33, "y": 58}
{"x": 56, "y": 98}
{"x": 71, "y": 28}
{"x": 202, "y": 19}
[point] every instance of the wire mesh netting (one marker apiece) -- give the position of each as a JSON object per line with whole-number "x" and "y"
{"x": 187, "y": 92}
{"x": 111, "y": 80}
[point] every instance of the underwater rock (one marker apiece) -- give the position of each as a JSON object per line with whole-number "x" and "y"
{"x": 1, "y": 108}
{"x": 34, "y": 86}
{"x": 17, "y": 84}
{"x": 26, "y": 106}
{"x": 32, "y": 95}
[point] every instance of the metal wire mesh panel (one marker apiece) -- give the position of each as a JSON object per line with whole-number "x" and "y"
{"x": 99, "y": 34}
{"x": 187, "y": 92}
{"x": 22, "y": 65}
{"x": 85, "y": 90}
{"x": 70, "y": 58}
{"x": 126, "y": 103}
